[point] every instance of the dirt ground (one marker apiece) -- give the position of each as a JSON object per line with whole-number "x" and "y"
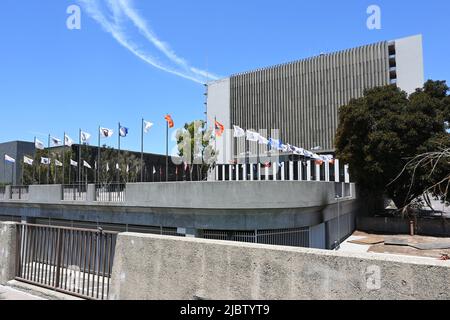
{"x": 400, "y": 250}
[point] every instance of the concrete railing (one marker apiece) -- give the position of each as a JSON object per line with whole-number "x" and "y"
{"x": 158, "y": 267}
{"x": 213, "y": 195}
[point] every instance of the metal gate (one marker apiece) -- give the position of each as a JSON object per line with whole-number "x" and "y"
{"x": 69, "y": 260}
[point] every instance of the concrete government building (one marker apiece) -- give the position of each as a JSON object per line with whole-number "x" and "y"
{"x": 302, "y": 98}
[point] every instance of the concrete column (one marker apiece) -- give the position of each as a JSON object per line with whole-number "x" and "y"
{"x": 291, "y": 171}
{"x": 258, "y": 169}
{"x": 90, "y": 194}
{"x": 216, "y": 170}
{"x": 236, "y": 171}
{"x": 300, "y": 170}
{"x": 8, "y": 192}
{"x": 327, "y": 171}
{"x": 283, "y": 172}
{"x": 336, "y": 170}
{"x": 230, "y": 172}
{"x": 317, "y": 171}
{"x": 308, "y": 170}
{"x": 347, "y": 175}
{"x": 244, "y": 172}
{"x": 266, "y": 172}
{"x": 223, "y": 172}
{"x": 8, "y": 251}
{"x": 275, "y": 170}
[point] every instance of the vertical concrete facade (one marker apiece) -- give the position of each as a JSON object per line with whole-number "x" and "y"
{"x": 409, "y": 63}
{"x": 301, "y": 99}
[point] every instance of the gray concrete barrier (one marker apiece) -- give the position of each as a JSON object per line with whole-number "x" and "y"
{"x": 158, "y": 267}
{"x": 7, "y": 251}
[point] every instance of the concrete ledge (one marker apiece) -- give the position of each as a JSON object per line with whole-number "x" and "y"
{"x": 43, "y": 293}
{"x": 158, "y": 267}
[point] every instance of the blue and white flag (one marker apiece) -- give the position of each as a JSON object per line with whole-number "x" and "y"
{"x": 252, "y": 136}
{"x": 27, "y": 160}
{"x": 39, "y": 144}
{"x": 45, "y": 161}
{"x": 73, "y": 163}
{"x": 123, "y": 131}
{"x": 84, "y": 137}
{"x": 262, "y": 140}
{"x": 87, "y": 165}
{"x": 274, "y": 143}
{"x": 147, "y": 126}
{"x": 58, "y": 163}
{"x": 9, "y": 159}
{"x": 67, "y": 141}
{"x": 238, "y": 132}
{"x": 55, "y": 141}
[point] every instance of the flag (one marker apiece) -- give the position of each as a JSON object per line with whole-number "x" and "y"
{"x": 274, "y": 143}
{"x": 107, "y": 167}
{"x": 67, "y": 141}
{"x": 252, "y": 136}
{"x": 84, "y": 137}
{"x": 123, "y": 131}
{"x": 284, "y": 148}
{"x": 169, "y": 121}
{"x": 154, "y": 170}
{"x": 58, "y": 163}
{"x": 45, "y": 161}
{"x": 106, "y": 133}
{"x": 87, "y": 165}
{"x": 9, "y": 159}
{"x": 316, "y": 148}
{"x": 219, "y": 128}
{"x": 39, "y": 145}
{"x": 73, "y": 163}
{"x": 238, "y": 132}
{"x": 308, "y": 154}
{"x": 316, "y": 157}
{"x": 262, "y": 140}
{"x": 27, "y": 160}
{"x": 55, "y": 141}
{"x": 147, "y": 126}
{"x": 299, "y": 151}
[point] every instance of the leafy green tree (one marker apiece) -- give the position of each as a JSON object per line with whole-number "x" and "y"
{"x": 195, "y": 147}
{"x": 381, "y": 132}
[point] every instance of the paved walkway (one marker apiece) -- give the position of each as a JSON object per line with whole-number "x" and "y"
{"x": 7, "y": 293}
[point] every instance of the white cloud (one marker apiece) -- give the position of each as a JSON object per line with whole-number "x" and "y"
{"x": 115, "y": 16}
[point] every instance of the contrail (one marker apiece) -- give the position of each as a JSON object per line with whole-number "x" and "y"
{"x": 120, "y": 9}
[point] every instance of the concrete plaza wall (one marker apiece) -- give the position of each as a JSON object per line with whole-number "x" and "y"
{"x": 7, "y": 251}
{"x": 158, "y": 267}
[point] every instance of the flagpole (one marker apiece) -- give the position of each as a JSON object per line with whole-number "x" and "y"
{"x": 79, "y": 154}
{"x": 48, "y": 162}
{"x": 142, "y": 151}
{"x": 167, "y": 151}
{"x": 118, "y": 158}
{"x": 98, "y": 160}
{"x": 32, "y": 180}
{"x": 64, "y": 158}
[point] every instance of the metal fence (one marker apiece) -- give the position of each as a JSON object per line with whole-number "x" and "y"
{"x": 69, "y": 260}
{"x": 74, "y": 192}
{"x": 19, "y": 193}
{"x": 110, "y": 192}
{"x": 296, "y": 237}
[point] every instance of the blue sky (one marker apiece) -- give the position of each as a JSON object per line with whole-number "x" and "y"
{"x": 53, "y": 79}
